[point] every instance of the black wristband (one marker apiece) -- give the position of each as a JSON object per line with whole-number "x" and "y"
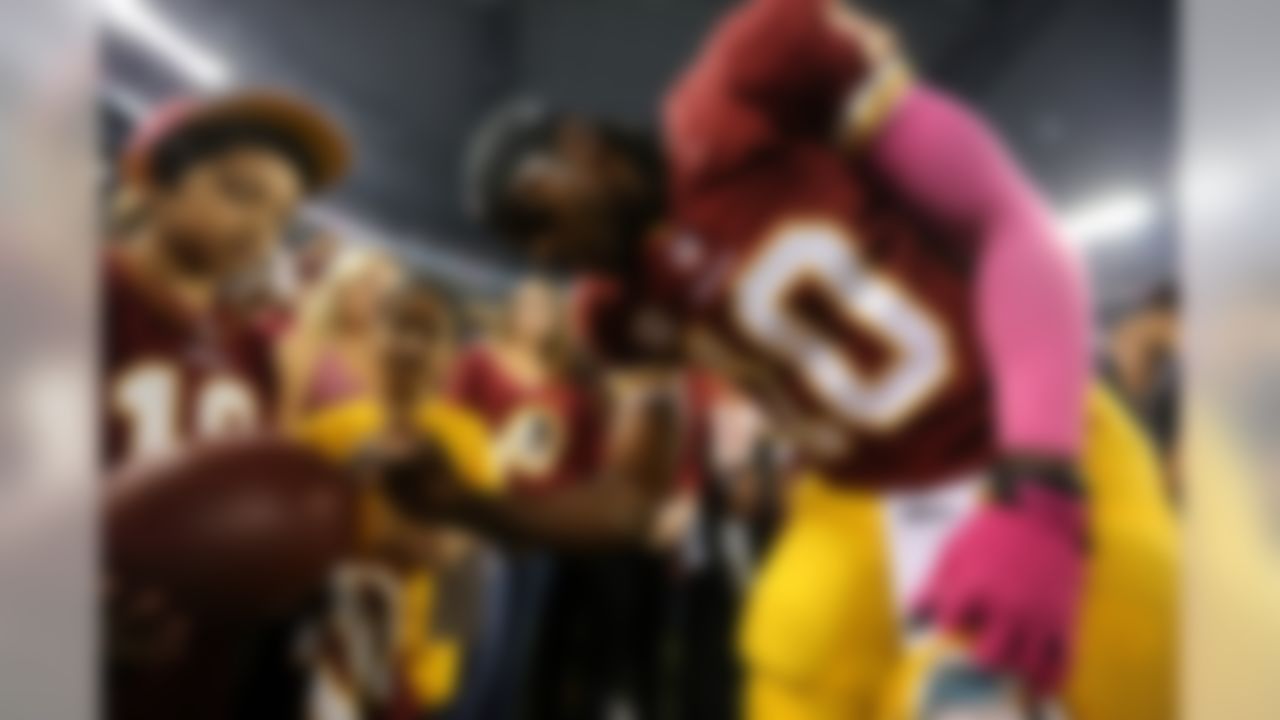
{"x": 1011, "y": 474}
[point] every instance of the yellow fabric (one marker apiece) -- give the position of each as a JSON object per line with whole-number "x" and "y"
{"x": 821, "y": 640}
{"x": 341, "y": 431}
{"x": 432, "y": 664}
{"x": 466, "y": 440}
{"x": 819, "y": 634}
{"x": 1126, "y": 662}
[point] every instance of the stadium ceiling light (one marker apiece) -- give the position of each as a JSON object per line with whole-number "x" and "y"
{"x": 1116, "y": 218}
{"x": 139, "y": 19}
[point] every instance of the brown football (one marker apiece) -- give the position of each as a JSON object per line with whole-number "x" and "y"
{"x": 245, "y": 527}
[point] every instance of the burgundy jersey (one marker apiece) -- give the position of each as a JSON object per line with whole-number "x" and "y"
{"x": 171, "y": 374}
{"x": 546, "y": 435}
{"x": 792, "y": 272}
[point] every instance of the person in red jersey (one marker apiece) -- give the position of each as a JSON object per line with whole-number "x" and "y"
{"x": 546, "y": 432}
{"x": 217, "y": 183}
{"x": 594, "y": 623}
{"x": 545, "y": 424}
{"x": 858, "y": 253}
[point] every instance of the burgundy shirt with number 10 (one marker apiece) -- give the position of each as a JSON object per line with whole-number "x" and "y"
{"x": 173, "y": 374}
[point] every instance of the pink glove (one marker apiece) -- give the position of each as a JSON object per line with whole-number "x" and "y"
{"x": 1010, "y": 583}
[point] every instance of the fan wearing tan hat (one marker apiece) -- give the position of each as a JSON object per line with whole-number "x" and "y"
{"x": 218, "y": 179}
{"x": 215, "y": 183}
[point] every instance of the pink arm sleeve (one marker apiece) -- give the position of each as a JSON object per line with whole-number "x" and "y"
{"x": 1031, "y": 295}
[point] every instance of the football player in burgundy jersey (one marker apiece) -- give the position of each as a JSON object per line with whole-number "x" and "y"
{"x": 859, "y": 253}
{"x": 218, "y": 182}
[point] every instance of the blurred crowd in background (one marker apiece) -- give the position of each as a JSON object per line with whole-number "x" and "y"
{"x": 529, "y": 633}
{"x": 533, "y": 634}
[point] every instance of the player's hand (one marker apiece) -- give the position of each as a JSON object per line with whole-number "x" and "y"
{"x": 1010, "y": 582}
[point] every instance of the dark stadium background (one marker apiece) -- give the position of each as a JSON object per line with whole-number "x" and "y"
{"x": 1082, "y": 89}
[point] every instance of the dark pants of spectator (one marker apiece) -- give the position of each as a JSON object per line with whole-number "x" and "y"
{"x": 707, "y": 676}
{"x": 605, "y": 640}
{"x": 502, "y": 656}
